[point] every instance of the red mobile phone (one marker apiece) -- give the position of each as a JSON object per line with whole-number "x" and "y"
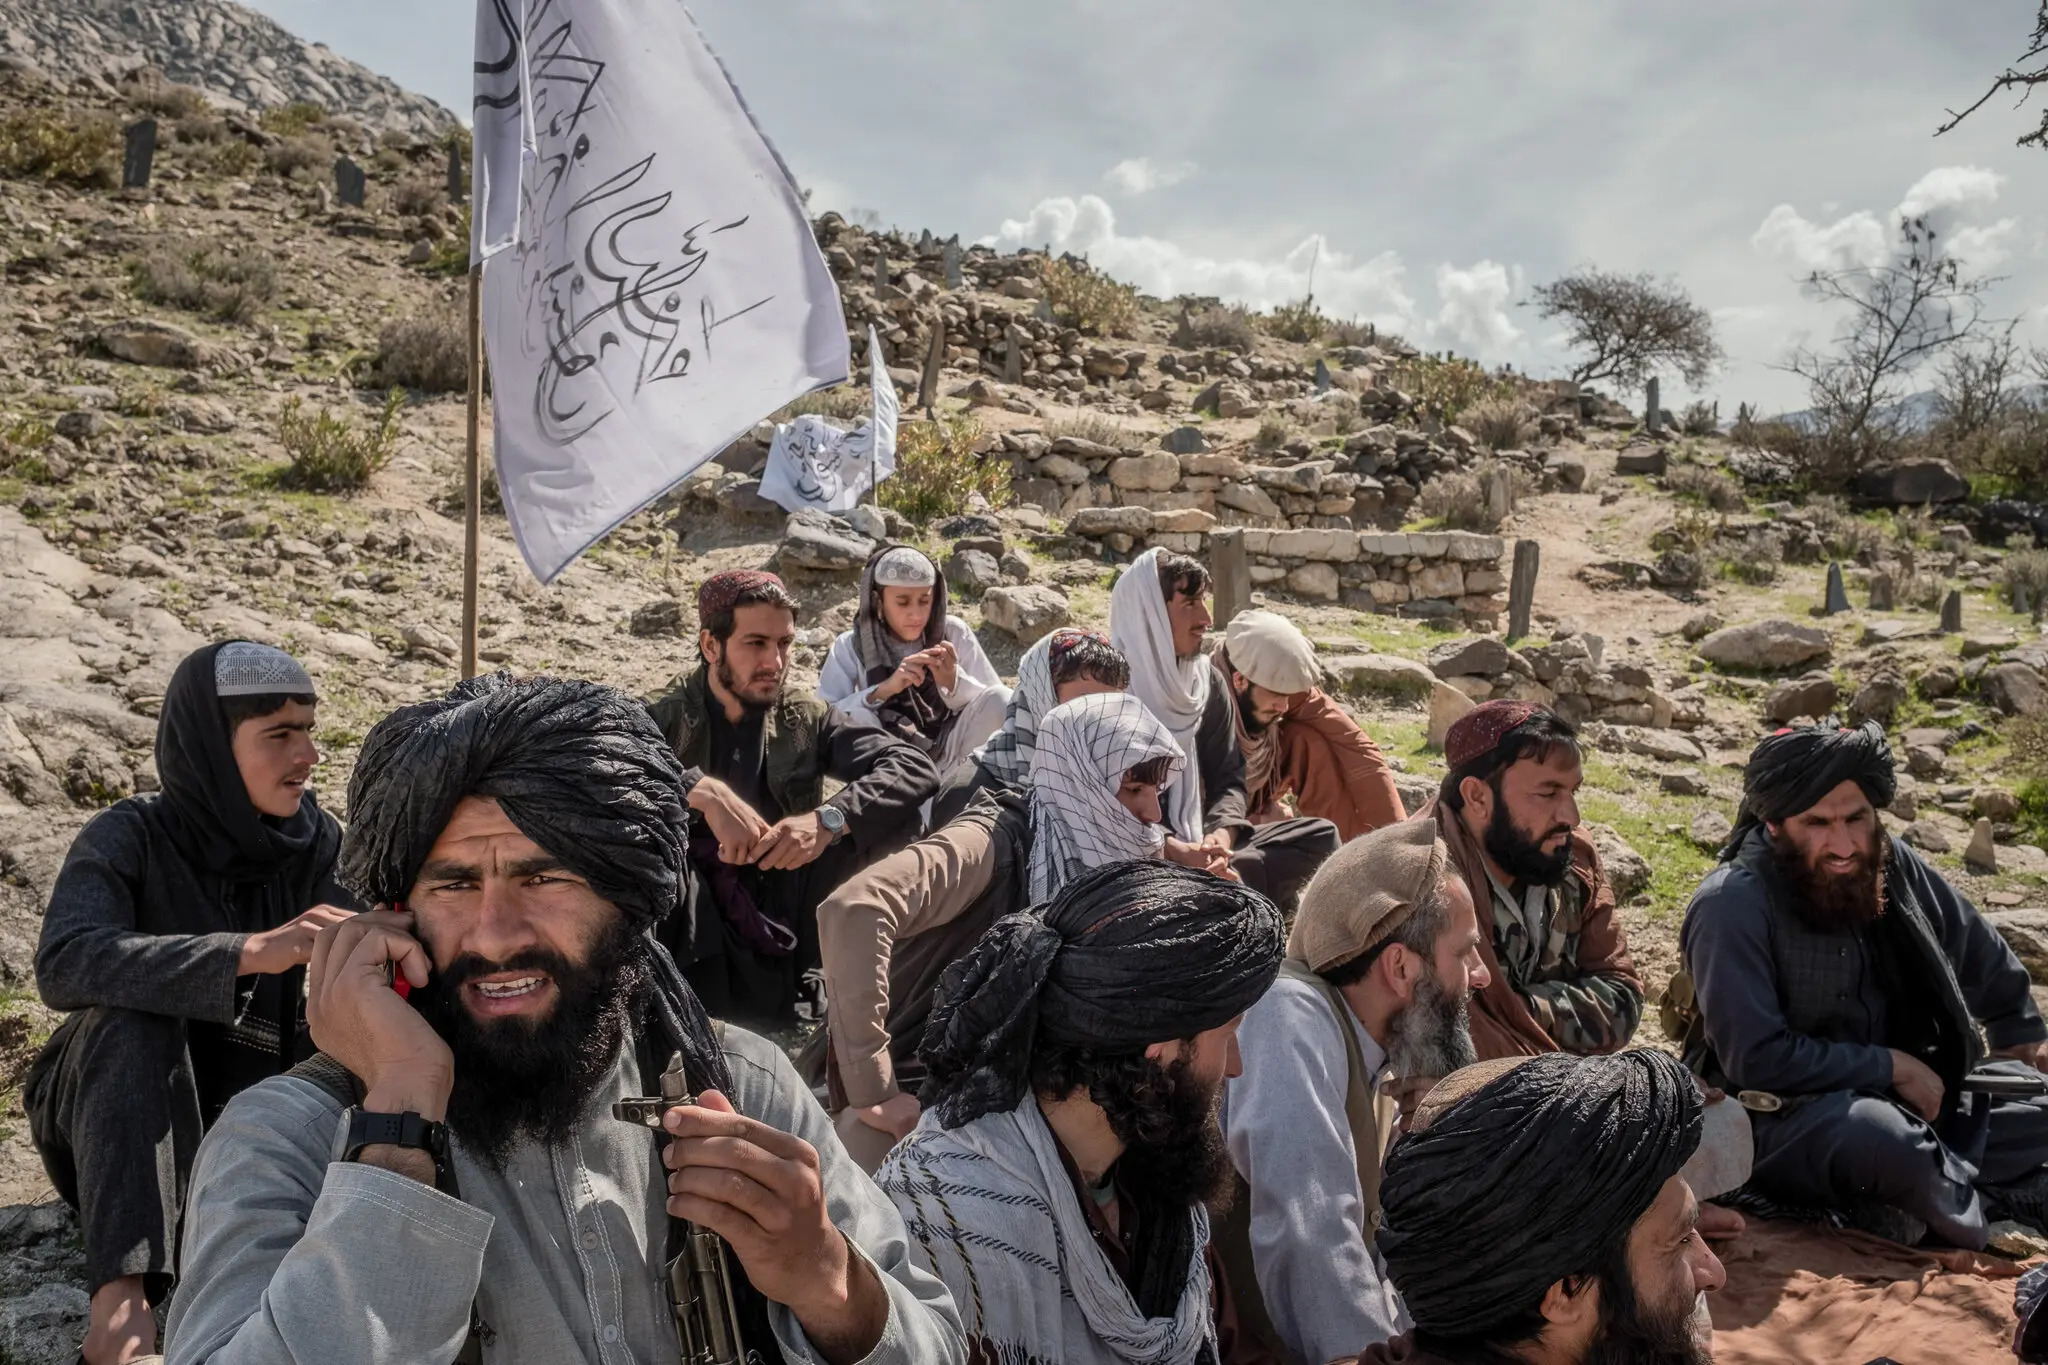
{"x": 398, "y": 981}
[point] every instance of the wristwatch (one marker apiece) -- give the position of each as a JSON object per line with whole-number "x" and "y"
{"x": 833, "y": 820}
{"x": 360, "y": 1128}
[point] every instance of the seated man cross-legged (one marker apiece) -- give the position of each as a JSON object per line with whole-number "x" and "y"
{"x": 1834, "y": 969}
{"x": 177, "y": 935}
{"x": 449, "y": 1180}
{"x": 1536, "y": 1215}
{"x": 1058, "y": 1179}
{"x": 1381, "y": 963}
{"x": 891, "y": 930}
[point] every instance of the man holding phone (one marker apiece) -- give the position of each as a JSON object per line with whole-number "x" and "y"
{"x": 478, "y": 1200}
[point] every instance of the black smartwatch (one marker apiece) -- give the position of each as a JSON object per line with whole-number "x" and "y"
{"x": 362, "y": 1128}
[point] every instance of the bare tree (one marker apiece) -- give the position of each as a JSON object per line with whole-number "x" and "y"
{"x": 1631, "y": 326}
{"x": 1903, "y": 313}
{"x": 2030, "y": 70}
{"x": 1973, "y": 387}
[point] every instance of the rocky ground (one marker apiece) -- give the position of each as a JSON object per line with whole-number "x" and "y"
{"x": 143, "y": 511}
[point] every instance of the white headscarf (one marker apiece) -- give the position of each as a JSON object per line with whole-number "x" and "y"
{"x": 1085, "y": 747}
{"x": 1176, "y": 692}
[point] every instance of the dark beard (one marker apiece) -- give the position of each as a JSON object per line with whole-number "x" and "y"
{"x": 732, "y": 688}
{"x": 1432, "y": 1036}
{"x": 1840, "y": 904}
{"x": 1520, "y": 856}
{"x": 516, "y": 1078}
{"x": 1174, "y": 1154}
{"x": 1252, "y": 724}
{"x": 1633, "y": 1335}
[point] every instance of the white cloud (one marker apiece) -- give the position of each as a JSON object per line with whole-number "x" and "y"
{"x": 1947, "y": 197}
{"x": 1373, "y": 290}
{"x": 1855, "y": 239}
{"x": 1142, "y": 175}
{"x": 1950, "y": 187}
{"x": 1473, "y": 307}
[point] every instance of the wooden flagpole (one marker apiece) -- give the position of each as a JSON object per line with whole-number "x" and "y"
{"x": 472, "y": 474}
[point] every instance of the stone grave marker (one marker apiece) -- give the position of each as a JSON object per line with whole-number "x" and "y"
{"x": 1653, "y": 417}
{"x": 458, "y": 184}
{"x": 935, "y": 358}
{"x": 1231, "y": 567}
{"x": 1013, "y": 355}
{"x": 1185, "y": 441}
{"x": 951, "y": 256}
{"x": 1522, "y": 587}
{"x": 924, "y": 241}
{"x": 881, "y": 270}
{"x": 349, "y": 182}
{"x": 1838, "y": 593}
{"x": 138, "y": 155}
{"x": 1881, "y": 592}
{"x": 1952, "y": 612}
{"x": 1322, "y": 375}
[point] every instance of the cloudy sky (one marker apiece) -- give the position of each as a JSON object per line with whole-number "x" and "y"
{"x": 1432, "y": 162}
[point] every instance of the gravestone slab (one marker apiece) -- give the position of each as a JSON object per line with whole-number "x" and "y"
{"x": 1654, "y": 417}
{"x": 935, "y": 358}
{"x": 1013, "y": 356}
{"x": 1322, "y": 376}
{"x": 1231, "y": 567}
{"x": 1185, "y": 441}
{"x": 138, "y": 155}
{"x": 881, "y": 270}
{"x": 955, "y": 279}
{"x": 350, "y": 183}
{"x": 1952, "y": 612}
{"x": 1838, "y": 594}
{"x": 1522, "y": 587}
{"x": 458, "y": 184}
{"x": 1881, "y": 591}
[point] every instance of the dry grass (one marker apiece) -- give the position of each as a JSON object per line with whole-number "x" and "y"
{"x": 1351, "y": 332}
{"x": 1086, "y": 424}
{"x": 228, "y": 283}
{"x": 938, "y": 472}
{"x": 1700, "y": 419}
{"x": 45, "y": 144}
{"x": 1457, "y": 501}
{"x": 428, "y": 350}
{"x": 1271, "y": 435}
{"x": 1709, "y": 487}
{"x": 1846, "y": 535}
{"x": 2026, "y": 569}
{"x": 419, "y": 198}
{"x": 168, "y": 98}
{"x": 1089, "y": 300}
{"x": 196, "y": 128}
{"x": 233, "y": 159}
{"x": 844, "y": 403}
{"x": 310, "y": 155}
{"x": 292, "y": 120}
{"x": 330, "y": 454}
{"x": 1231, "y": 329}
{"x": 1500, "y": 423}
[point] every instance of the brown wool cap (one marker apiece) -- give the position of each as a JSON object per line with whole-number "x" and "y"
{"x": 1365, "y": 892}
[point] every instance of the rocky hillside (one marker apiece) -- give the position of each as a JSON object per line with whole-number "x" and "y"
{"x": 241, "y": 58}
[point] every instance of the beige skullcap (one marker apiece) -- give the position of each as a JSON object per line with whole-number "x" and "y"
{"x": 1458, "y": 1085}
{"x": 1365, "y": 891}
{"x": 1267, "y": 648}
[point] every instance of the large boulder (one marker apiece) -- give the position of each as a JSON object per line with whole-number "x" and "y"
{"x": 1771, "y": 645}
{"x": 2026, "y": 932}
{"x": 1812, "y": 695}
{"x": 1911, "y": 483}
{"x": 1103, "y": 521}
{"x": 1385, "y": 674}
{"x": 154, "y": 343}
{"x": 2015, "y": 690}
{"x": 1028, "y": 611}
{"x": 1482, "y": 656}
{"x": 825, "y": 544}
{"x": 1627, "y": 870}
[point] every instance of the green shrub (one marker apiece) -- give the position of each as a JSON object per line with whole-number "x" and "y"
{"x": 1302, "y": 321}
{"x": 2026, "y": 738}
{"x": 292, "y": 120}
{"x": 231, "y": 160}
{"x": 45, "y": 144}
{"x": 451, "y": 254}
{"x": 225, "y": 282}
{"x": 1089, "y": 300}
{"x": 290, "y": 156}
{"x": 938, "y": 472}
{"x": 1271, "y": 435}
{"x": 1351, "y": 332}
{"x": 842, "y": 403}
{"x": 329, "y": 454}
{"x": 1710, "y": 487}
{"x": 429, "y": 350}
{"x": 1447, "y": 385}
{"x": 1233, "y": 329}
{"x": 418, "y": 198}
{"x": 1501, "y": 423}
{"x": 1700, "y": 419}
{"x": 1457, "y": 501}
{"x": 2026, "y": 569}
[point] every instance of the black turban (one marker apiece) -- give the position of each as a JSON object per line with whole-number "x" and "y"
{"x": 1793, "y": 769}
{"x": 1126, "y": 955}
{"x": 581, "y": 769}
{"x": 1537, "y": 1175}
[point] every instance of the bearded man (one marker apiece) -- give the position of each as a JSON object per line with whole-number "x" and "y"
{"x": 1298, "y": 742}
{"x": 448, "y": 1179}
{"x": 1561, "y": 976}
{"x": 1833, "y": 968}
{"x": 1535, "y": 1215}
{"x": 766, "y": 844}
{"x": 1381, "y": 962}
{"x": 1159, "y": 617}
{"x": 1076, "y": 1057}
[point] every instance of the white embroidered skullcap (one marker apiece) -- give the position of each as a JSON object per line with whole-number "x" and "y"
{"x": 243, "y": 668}
{"x": 904, "y": 567}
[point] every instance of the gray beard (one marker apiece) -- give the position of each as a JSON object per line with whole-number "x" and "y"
{"x": 1431, "y": 1036}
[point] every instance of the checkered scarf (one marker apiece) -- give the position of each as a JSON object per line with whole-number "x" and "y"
{"x": 1085, "y": 747}
{"x": 1007, "y": 755}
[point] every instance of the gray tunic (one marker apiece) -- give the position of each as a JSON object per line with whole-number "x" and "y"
{"x": 288, "y": 1258}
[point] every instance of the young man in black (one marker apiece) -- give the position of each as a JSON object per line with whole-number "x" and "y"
{"x": 177, "y": 935}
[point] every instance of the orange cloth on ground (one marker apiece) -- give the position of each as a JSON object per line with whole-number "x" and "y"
{"x": 1800, "y": 1294}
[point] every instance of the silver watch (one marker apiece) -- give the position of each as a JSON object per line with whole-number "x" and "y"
{"x": 833, "y": 820}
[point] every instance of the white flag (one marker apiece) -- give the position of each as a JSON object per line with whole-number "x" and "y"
{"x": 812, "y": 463}
{"x": 651, "y": 287}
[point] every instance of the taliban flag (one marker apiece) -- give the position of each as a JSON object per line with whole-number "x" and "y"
{"x": 651, "y": 288}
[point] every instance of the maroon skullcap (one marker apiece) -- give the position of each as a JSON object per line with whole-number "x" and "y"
{"x": 1066, "y": 637}
{"x": 1480, "y": 730}
{"x": 717, "y": 593}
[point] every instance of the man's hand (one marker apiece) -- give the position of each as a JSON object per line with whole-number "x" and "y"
{"x": 2034, "y": 1055}
{"x": 1203, "y": 857}
{"x": 895, "y": 1116}
{"x": 944, "y": 662}
{"x": 357, "y": 1018}
{"x": 1916, "y": 1085}
{"x": 1221, "y": 840}
{"x": 791, "y": 842}
{"x": 288, "y": 945}
{"x": 1407, "y": 1092}
{"x": 908, "y": 674}
{"x": 760, "y": 1189}
{"x": 735, "y": 824}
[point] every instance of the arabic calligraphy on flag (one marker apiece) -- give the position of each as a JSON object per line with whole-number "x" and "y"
{"x": 812, "y": 463}
{"x": 651, "y": 287}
